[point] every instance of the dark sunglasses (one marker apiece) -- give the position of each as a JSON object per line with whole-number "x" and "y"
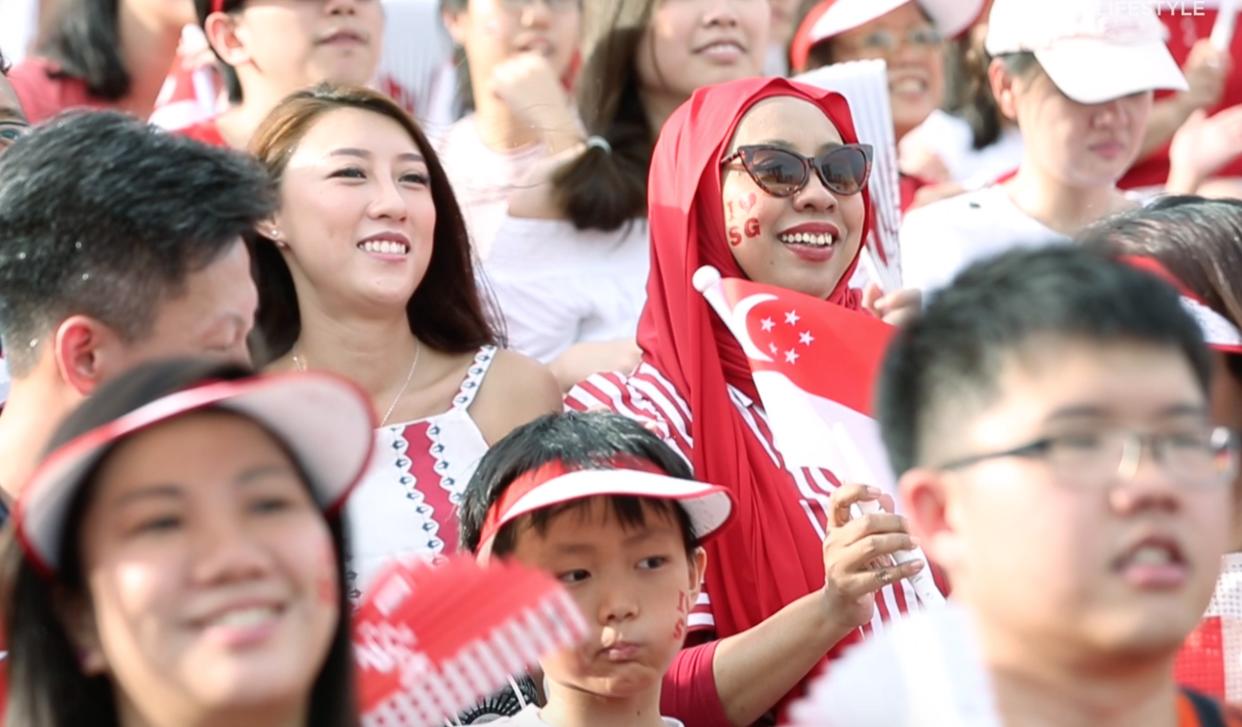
{"x": 783, "y": 173}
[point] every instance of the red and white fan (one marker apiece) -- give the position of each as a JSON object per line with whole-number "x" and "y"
{"x": 431, "y": 641}
{"x": 865, "y": 86}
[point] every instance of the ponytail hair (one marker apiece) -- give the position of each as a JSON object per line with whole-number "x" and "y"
{"x": 602, "y": 188}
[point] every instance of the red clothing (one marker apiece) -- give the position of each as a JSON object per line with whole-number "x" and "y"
{"x": 772, "y": 554}
{"x": 909, "y": 186}
{"x": 43, "y": 95}
{"x": 1184, "y": 30}
{"x": 689, "y": 689}
{"x": 206, "y": 131}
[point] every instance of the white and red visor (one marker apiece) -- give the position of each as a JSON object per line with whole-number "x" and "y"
{"x": 325, "y": 421}
{"x": 708, "y": 507}
{"x": 1218, "y": 331}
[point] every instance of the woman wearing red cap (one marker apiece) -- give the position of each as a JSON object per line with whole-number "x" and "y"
{"x": 909, "y": 37}
{"x": 179, "y": 555}
{"x": 762, "y": 179}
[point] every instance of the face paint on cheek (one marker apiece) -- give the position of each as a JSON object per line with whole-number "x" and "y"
{"x": 735, "y": 236}
{"x": 752, "y": 228}
{"x": 683, "y": 612}
{"x": 747, "y": 202}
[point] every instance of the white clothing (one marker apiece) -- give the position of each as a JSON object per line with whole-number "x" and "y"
{"x": 951, "y": 139}
{"x": 483, "y": 178}
{"x": 4, "y": 382}
{"x": 530, "y": 717}
{"x": 557, "y": 285}
{"x": 416, "y": 62}
{"x": 406, "y": 504}
{"x": 942, "y": 239}
{"x": 926, "y": 671}
{"x": 17, "y": 32}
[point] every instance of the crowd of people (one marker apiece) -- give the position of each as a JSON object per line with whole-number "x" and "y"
{"x": 294, "y": 290}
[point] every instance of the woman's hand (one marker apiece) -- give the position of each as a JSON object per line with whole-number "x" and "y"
{"x": 858, "y": 554}
{"x": 893, "y": 308}
{"x": 529, "y": 86}
{"x": 1201, "y": 147}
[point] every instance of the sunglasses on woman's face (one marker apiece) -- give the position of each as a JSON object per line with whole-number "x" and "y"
{"x": 783, "y": 173}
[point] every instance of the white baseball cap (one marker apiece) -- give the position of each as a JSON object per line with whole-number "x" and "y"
{"x": 326, "y": 422}
{"x": 708, "y": 507}
{"x": 1093, "y": 50}
{"x": 833, "y": 17}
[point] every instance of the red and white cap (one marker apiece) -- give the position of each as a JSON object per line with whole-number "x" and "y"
{"x": 1218, "y": 332}
{"x": 833, "y": 17}
{"x": 709, "y": 507}
{"x": 325, "y": 421}
{"x": 1093, "y": 50}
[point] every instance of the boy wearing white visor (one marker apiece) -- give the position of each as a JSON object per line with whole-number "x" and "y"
{"x": 1078, "y": 77}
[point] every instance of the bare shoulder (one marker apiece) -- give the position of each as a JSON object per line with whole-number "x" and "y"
{"x": 517, "y": 390}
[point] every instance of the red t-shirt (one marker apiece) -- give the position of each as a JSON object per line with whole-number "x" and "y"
{"x": 689, "y": 689}
{"x": 43, "y": 95}
{"x": 1185, "y": 29}
{"x": 206, "y": 131}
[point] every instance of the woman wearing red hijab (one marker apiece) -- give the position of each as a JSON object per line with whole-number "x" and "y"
{"x": 762, "y": 179}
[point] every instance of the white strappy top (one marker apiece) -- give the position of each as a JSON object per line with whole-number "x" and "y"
{"x": 406, "y": 505}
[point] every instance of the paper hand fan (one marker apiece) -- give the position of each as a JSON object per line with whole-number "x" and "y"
{"x": 865, "y": 86}
{"x": 1211, "y": 658}
{"x": 431, "y": 641}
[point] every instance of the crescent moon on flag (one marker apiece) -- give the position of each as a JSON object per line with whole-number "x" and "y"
{"x": 738, "y": 324}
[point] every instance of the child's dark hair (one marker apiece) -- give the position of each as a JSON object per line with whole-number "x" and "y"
{"x": 944, "y": 366}
{"x": 579, "y": 441}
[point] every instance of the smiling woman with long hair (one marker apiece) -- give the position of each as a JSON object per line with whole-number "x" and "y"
{"x": 178, "y": 556}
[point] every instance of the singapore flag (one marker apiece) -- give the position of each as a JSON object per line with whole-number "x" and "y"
{"x": 814, "y": 365}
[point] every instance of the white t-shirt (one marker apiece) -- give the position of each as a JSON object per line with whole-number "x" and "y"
{"x": 557, "y": 285}
{"x": 530, "y": 717}
{"x": 483, "y": 179}
{"x": 950, "y": 138}
{"x": 926, "y": 671}
{"x": 942, "y": 239}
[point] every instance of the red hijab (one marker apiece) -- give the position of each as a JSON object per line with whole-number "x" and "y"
{"x": 771, "y": 555}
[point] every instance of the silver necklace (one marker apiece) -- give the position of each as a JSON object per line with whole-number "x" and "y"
{"x": 300, "y": 364}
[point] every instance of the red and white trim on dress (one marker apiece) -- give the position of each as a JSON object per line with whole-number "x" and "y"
{"x": 648, "y": 397}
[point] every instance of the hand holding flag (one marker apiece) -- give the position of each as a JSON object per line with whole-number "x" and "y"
{"x": 814, "y": 366}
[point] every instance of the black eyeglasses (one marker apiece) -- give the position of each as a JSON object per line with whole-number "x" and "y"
{"x": 1196, "y": 456}
{"x": 844, "y": 170}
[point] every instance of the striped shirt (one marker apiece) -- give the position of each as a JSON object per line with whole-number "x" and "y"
{"x": 648, "y": 397}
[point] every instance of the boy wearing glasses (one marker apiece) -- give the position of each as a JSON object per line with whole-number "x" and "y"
{"x": 1049, "y": 413}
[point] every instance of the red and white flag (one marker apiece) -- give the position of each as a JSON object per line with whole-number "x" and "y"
{"x": 814, "y": 365}
{"x": 432, "y": 641}
{"x": 1210, "y": 660}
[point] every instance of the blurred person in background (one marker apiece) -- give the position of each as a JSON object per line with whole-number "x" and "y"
{"x": 101, "y": 54}
{"x": 909, "y": 36}
{"x": 571, "y": 258}
{"x": 272, "y": 49}
{"x": 1077, "y": 76}
{"x": 519, "y": 58}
